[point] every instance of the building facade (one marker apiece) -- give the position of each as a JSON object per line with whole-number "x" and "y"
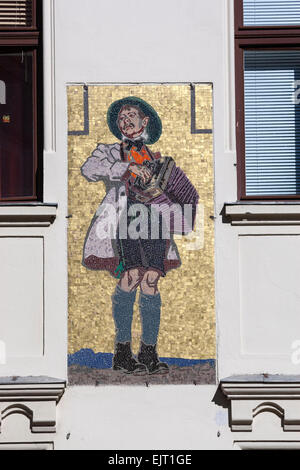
{"x": 251, "y": 213}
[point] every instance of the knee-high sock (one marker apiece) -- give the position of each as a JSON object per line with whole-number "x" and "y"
{"x": 122, "y": 308}
{"x": 150, "y": 315}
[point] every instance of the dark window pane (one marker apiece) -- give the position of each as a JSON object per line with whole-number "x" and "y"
{"x": 272, "y": 122}
{"x": 16, "y": 13}
{"x": 271, "y": 12}
{"x": 16, "y": 125}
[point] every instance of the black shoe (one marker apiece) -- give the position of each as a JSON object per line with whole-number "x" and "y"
{"x": 124, "y": 361}
{"x": 148, "y": 356}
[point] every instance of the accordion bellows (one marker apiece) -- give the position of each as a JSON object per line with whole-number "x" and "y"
{"x": 168, "y": 185}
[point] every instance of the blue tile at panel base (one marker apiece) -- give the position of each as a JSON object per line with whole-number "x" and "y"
{"x": 87, "y": 358}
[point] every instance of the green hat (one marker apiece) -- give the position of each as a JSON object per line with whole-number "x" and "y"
{"x": 154, "y": 127}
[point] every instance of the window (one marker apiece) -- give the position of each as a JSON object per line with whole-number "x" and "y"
{"x": 267, "y": 45}
{"x": 20, "y": 100}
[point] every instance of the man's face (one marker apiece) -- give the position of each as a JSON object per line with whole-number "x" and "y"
{"x": 130, "y": 123}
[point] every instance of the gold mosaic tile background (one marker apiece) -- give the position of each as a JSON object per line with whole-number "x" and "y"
{"x": 75, "y": 103}
{"x": 188, "y": 314}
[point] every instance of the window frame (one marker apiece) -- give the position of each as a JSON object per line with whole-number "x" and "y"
{"x": 255, "y": 38}
{"x": 29, "y": 38}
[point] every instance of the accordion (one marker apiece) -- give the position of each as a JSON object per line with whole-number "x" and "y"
{"x": 168, "y": 185}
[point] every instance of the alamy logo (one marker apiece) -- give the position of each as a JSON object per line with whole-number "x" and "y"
{"x": 139, "y": 222}
{"x": 2, "y": 92}
{"x": 295, "y": 357}
{"x": 2, "y": 353}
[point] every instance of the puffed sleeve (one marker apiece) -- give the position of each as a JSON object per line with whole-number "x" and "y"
{"x": 104, "y": 162}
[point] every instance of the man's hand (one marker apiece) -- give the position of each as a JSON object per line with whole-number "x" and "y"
{"x": 141, "y": 171}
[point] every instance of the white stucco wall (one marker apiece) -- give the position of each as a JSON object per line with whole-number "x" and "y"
{"x": 173, "y": 41}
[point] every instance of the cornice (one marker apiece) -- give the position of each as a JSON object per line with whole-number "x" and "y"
{"x": 34, "y": 397}
{"x": 27, "y": 215}
{"x": 252, "y": 395}
{"x": 262, "y": 213}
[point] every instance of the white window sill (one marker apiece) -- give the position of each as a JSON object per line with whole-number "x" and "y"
{"x": 262, "y": 213}
{"x": 29, "y": 214}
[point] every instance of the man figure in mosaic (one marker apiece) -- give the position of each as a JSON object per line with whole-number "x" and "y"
{"x": 138, "y": 263}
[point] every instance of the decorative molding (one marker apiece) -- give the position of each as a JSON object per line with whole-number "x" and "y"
{"x": 252, "y": 395}
{"x": 49, "y": 75}
{"x": 34, "y": 397}
{"x": 266, "y": 445}
{"x": 27, "y": 215}
{"x": 229, "y": 82}
{"x": 27, "y": 446}
{"x": 262, "y": 213}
